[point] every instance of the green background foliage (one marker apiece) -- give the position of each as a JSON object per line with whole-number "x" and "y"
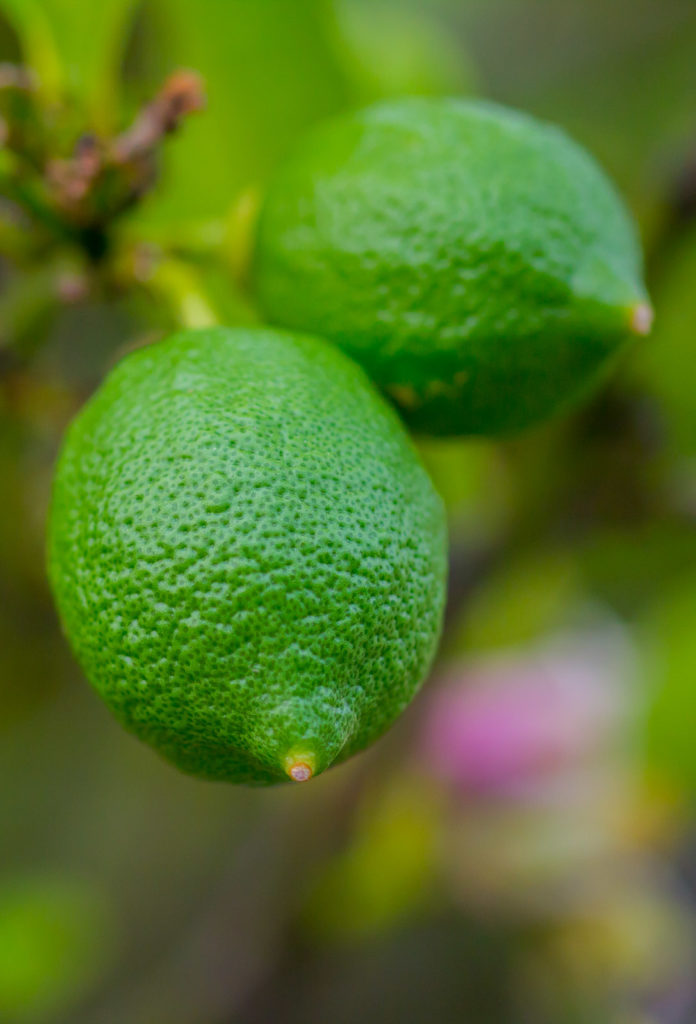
{"x": 378, "y": 891}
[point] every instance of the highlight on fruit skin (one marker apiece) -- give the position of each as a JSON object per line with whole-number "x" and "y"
{"x": 247, "y": 554}
{"x": 477, "y": 262}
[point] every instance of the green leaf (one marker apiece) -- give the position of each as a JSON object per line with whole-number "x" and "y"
{"x": 76, "y": 48}
{"x": 270, "y": 70}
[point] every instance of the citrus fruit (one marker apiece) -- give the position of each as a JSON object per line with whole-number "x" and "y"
{"x": 475, "y": 261}
{"x": 247, "y": 554}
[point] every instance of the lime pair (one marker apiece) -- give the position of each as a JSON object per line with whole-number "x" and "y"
{"x": 248, "y": 556}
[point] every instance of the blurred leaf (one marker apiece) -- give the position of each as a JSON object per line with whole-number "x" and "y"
{"x": 55, "y": 936}
{"x": 637, "y": 940}
{"x": 20, "y": 524}
{"x": 76, "y": 47}
{"x": 578, "y": 62}
{"x": 670, "y": 671}
{"x": 31, "y": 668}
{"x": 626, "y": 567}
{"x": 530, "y": 596}
{"x": 661, "y": 360}
{"x": 470, "y": 478}
{"x": 384, "y": 874}
{"x": 392, "y": 50}
{"x": 270, "y": 70}
{"x": 28, "y": 304}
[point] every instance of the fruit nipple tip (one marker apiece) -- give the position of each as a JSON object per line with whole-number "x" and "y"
{"x": 300, "y": 771}
{"x": 642, "y": 317}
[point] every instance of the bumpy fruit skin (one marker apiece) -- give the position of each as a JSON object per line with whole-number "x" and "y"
{"x": 476, "y": 262}
{"x": 247, "y": 555}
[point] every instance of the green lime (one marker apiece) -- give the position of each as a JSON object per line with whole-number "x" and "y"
{"x": 248, "y": 557}
{"x": 476, "y": 262}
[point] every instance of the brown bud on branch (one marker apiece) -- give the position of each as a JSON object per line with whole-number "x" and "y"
{"x": 105, "y": 177}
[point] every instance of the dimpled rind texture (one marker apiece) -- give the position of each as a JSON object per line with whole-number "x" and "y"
{"x": 475, "y": 261}
{"x": 247, "y": 555}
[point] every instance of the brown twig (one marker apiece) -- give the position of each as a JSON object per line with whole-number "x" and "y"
{"x": 104, "y": 178}
{"x": 182, "y": 94}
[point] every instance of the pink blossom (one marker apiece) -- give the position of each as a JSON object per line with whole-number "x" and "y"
{"x": 505, "y": 722}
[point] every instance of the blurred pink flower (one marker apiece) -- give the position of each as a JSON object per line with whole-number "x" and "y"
{"x": 504, "y": 723}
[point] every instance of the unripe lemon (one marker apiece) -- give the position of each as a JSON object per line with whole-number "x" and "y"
{"x": 475, "y": 261}
{"x": 247, "y": 554}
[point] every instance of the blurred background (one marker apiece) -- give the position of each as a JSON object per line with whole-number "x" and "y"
{"x": 521, "y": 847}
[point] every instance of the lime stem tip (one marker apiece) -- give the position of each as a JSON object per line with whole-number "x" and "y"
{"x": 642, "y": 317}
{"x": 300, "y": 771}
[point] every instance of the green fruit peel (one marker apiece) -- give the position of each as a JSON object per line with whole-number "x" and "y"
{"x": 476, "y": 262}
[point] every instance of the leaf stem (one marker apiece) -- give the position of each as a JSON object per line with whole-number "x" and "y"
{"x": 177, "y": 285}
